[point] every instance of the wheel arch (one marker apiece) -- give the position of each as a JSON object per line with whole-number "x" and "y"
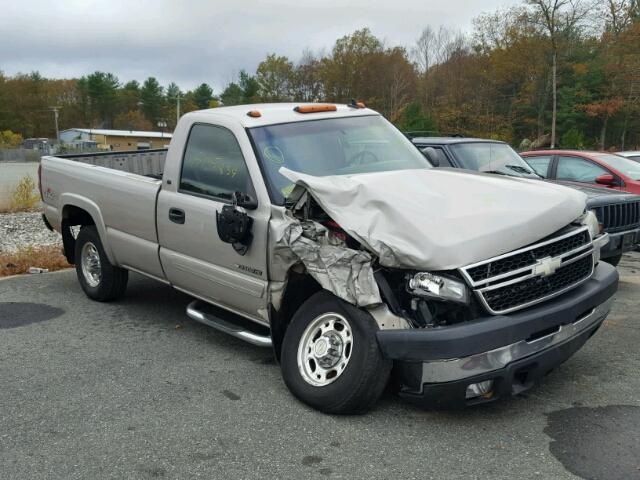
{"x": 77, "y": 210}
{"x": 299, "y": 287}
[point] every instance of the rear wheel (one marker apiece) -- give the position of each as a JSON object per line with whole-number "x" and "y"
{"x": 330, "y": 357}
{"x": 99, "y": 279}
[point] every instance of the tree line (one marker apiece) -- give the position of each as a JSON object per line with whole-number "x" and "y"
{"x": 544, "y": 73}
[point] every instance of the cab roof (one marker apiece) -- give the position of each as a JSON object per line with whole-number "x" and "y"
{"x": 451, "y": 140}
{"x": 275, "y": 113}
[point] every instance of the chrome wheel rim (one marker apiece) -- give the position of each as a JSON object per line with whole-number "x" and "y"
{"x": 325, "y": 349}
{"x": 90, "y": 263}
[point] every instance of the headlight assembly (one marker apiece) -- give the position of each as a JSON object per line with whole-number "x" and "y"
{"x": 591, "y": 221}
{"x": 438, "y": 287}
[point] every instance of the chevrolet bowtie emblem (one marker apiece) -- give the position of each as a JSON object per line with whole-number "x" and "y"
{"x": 547, "y": 266}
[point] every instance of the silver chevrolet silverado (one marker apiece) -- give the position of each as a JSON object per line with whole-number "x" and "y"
{"x": 320, "y": 231}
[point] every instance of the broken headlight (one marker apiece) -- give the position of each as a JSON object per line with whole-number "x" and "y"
{"x": 590, "y": 220}
{"x": 438, "y": 287}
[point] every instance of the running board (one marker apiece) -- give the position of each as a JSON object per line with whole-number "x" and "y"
{"x": 195, "y": 311}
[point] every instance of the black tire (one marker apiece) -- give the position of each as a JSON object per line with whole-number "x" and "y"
{"x": 112, "y": 281}
{"x": 360, "y": 384}
{"x": 613, "y": 260}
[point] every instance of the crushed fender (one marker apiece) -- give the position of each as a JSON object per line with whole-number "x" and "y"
{"x": 345, "y": 272}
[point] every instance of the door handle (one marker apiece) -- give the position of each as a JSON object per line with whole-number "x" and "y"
{"x": 176, "y": 215}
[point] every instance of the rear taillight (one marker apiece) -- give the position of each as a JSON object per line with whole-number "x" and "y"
{"x": 40, "y": 181}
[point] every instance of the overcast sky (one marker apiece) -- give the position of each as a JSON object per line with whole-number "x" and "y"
{"x": 193, "y": 41}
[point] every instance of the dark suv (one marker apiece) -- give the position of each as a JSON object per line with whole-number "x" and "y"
{"x": 618, "y": 212}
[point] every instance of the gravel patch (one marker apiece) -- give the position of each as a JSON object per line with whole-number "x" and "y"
{"x": 19, "y": 230}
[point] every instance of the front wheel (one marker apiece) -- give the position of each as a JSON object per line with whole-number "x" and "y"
{"x": 330, "y": 357}
{"x": 99, "y": 279}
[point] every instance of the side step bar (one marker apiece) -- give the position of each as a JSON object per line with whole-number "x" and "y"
{"x": 195, "y": 311}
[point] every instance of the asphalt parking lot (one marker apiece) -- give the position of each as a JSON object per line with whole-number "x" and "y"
{"x": 134, "y": 389}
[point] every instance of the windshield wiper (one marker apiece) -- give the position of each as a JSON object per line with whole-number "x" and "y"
{"x": 519, "y": 169}
{"x": 495, "y": 171}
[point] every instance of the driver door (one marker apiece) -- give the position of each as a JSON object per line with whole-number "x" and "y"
{"x": 193, "y": 256}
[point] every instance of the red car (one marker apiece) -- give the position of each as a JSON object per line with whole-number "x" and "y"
{"x": 598, "y": 169}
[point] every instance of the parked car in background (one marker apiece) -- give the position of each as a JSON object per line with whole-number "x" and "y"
{"x": 597, "y": 169}
{"x": 618, "y": 212}
{"x": 632, "y": 155}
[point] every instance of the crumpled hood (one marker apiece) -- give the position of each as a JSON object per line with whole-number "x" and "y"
{"x": 441, "y": 219}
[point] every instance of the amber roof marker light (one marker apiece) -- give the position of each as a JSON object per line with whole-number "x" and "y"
{"x": 254, "y": 114}
{"x": 355, "y": 104}
{"x": 320, "y": 107}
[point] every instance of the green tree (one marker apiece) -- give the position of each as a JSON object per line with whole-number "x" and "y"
{"x": 572, "y": 138}
{"x": 249, "y": 86}
{"x": 245, "y": 90}
{"x": 413, "y": 119}
{"x": 172, "y": 91}
{"x": 129, "y": 96}
{"x": 202, "y": 95}
{"x": 152, "y": 100}
{"x": 232, "y": 95}
{"x": 101, "y": 90}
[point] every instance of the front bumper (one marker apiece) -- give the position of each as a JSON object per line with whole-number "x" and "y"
{"x": 436, "y": 365}
{"x": 620, "y": 242}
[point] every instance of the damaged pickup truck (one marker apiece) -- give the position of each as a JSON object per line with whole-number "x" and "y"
{"x": 321, "y": 231}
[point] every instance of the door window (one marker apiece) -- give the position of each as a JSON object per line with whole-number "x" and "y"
{"x": 539, "y": 164}
{"x": 213, "y": 164}
{"x": 438, "y": 153}
{"x": 578, "y": 170}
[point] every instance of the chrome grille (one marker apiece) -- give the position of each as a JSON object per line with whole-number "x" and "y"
{"x": 528, "y": 257}
{"x": 618, "y": 217}
{"x": 533, "y": 274}
{"x": 523, "y": 293}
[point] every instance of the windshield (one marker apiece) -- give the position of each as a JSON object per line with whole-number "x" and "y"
{"x": 337, "y": 146}
{"x": 628, "y": 167}
{"x": 492, "y": 157}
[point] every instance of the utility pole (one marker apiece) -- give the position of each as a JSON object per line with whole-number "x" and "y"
{"x": 177, "y": 107}
{"x": 55, "y": 119}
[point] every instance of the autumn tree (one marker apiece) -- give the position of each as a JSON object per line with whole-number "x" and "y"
{"x": 132, "y": 120}
{"x": 275, "y": 79}
{"x": 9, "y": 139}
{"x": 558, "y": 18}
{"x": 307, "y": 84}
{"x": 346, "y": 73}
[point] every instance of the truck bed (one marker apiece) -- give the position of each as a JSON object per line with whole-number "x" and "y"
{"x": 149, "y": 163}
{"x": 119, "y": 190}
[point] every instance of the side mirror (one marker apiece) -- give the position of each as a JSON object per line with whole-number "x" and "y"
{"x": 432, "y": 156}
{"x": 234, "y": 226}
{"x": 606, "y": 179}
{"x": 245, "y": 201}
